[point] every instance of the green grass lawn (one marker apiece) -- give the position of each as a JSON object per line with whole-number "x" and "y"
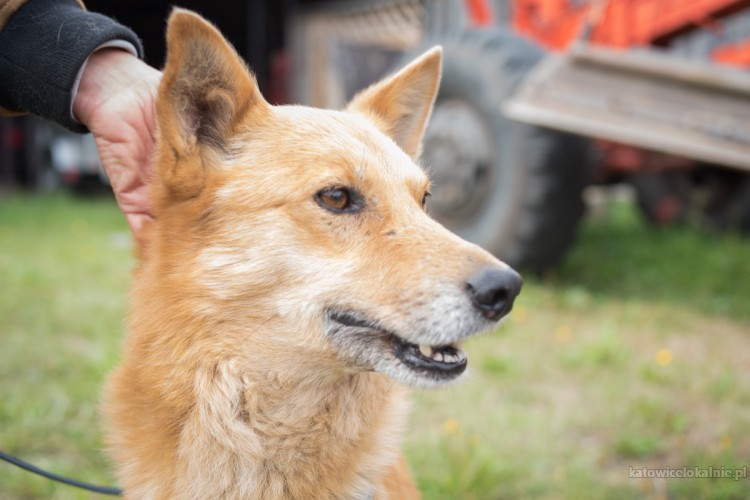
{"x": 635, "y": 353}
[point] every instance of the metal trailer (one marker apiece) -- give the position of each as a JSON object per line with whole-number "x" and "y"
{"x": 665, "y": 76}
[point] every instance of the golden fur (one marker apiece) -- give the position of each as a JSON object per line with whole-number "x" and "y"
{"x": 234, "y": 384}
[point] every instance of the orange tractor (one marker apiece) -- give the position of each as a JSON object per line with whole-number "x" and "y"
{"x": 540, "y": 98}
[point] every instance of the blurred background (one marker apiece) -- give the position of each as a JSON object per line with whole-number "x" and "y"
{"x": 602, "y": 146}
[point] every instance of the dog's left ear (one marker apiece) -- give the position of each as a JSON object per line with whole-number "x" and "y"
{"x": 401, "y": 104}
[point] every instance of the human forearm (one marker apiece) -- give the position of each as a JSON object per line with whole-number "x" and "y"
{"x": 42, "y": 48}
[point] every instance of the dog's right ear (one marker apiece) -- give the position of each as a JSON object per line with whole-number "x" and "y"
{"x": 205, "y": 92}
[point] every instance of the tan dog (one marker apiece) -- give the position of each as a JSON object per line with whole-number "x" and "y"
{"x": 291, "y": 281}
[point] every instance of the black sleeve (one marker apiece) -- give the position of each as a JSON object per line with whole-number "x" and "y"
{"x": 42, "y": 48}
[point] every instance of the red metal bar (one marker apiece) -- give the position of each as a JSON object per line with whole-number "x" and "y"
{"x": 624, "y": 23}
{"x": 734, "y": 55}
{"x": 480, "y": 13}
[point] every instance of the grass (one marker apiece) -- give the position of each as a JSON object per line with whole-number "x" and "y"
{"x": 633, "y": 354}
{"x": 64, "y": 266}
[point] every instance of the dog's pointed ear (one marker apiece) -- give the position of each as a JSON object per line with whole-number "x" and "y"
{"x": 401, "y": 104}
{"x": 205, "y": 92}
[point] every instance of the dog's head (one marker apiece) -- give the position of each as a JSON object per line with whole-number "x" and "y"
{"x": 313, "y": 219}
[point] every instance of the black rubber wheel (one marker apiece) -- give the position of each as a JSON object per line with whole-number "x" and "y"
{"x": 712, "y": 197}
{"x": 512, "y": 188}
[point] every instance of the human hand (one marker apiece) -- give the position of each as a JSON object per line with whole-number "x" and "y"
{"x": 116, "y": 101}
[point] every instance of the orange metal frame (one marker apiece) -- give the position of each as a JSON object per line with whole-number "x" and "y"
{"x": 626, "y": 23}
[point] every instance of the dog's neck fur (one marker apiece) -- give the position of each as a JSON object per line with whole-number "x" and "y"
{"x": 281, "y": 424}
{"x": 249, "y": 430}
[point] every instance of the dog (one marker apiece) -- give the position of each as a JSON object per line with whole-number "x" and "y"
{"x": 289, "y": 289}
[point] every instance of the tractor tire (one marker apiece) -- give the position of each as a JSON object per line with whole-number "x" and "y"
{"x": 512, "y": 188}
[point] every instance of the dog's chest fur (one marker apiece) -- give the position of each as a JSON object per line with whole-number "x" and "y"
{"x": 274, "y": 438}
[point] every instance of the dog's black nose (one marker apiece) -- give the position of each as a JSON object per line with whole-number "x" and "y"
{"x": 493, "y": 290}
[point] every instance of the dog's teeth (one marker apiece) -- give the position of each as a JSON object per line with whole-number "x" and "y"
{"x": 438, "y": 354}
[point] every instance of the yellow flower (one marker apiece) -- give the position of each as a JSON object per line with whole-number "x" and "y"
{"x": 725, "y": 442}
{"x": 475, "y": 439}
{"x": 451, "y": 426}
{"x": 664, "y": 356}
{"x": 520, "y": 314}
{"x": 563, "y": 334}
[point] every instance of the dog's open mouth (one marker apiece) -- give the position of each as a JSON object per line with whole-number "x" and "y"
{"x": 440, "y": 359}
{"x": 368, "y": 341}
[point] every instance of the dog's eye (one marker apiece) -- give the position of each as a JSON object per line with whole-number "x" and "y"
{"x": 335, "y": 199}
{"x": 424, "y": 198}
